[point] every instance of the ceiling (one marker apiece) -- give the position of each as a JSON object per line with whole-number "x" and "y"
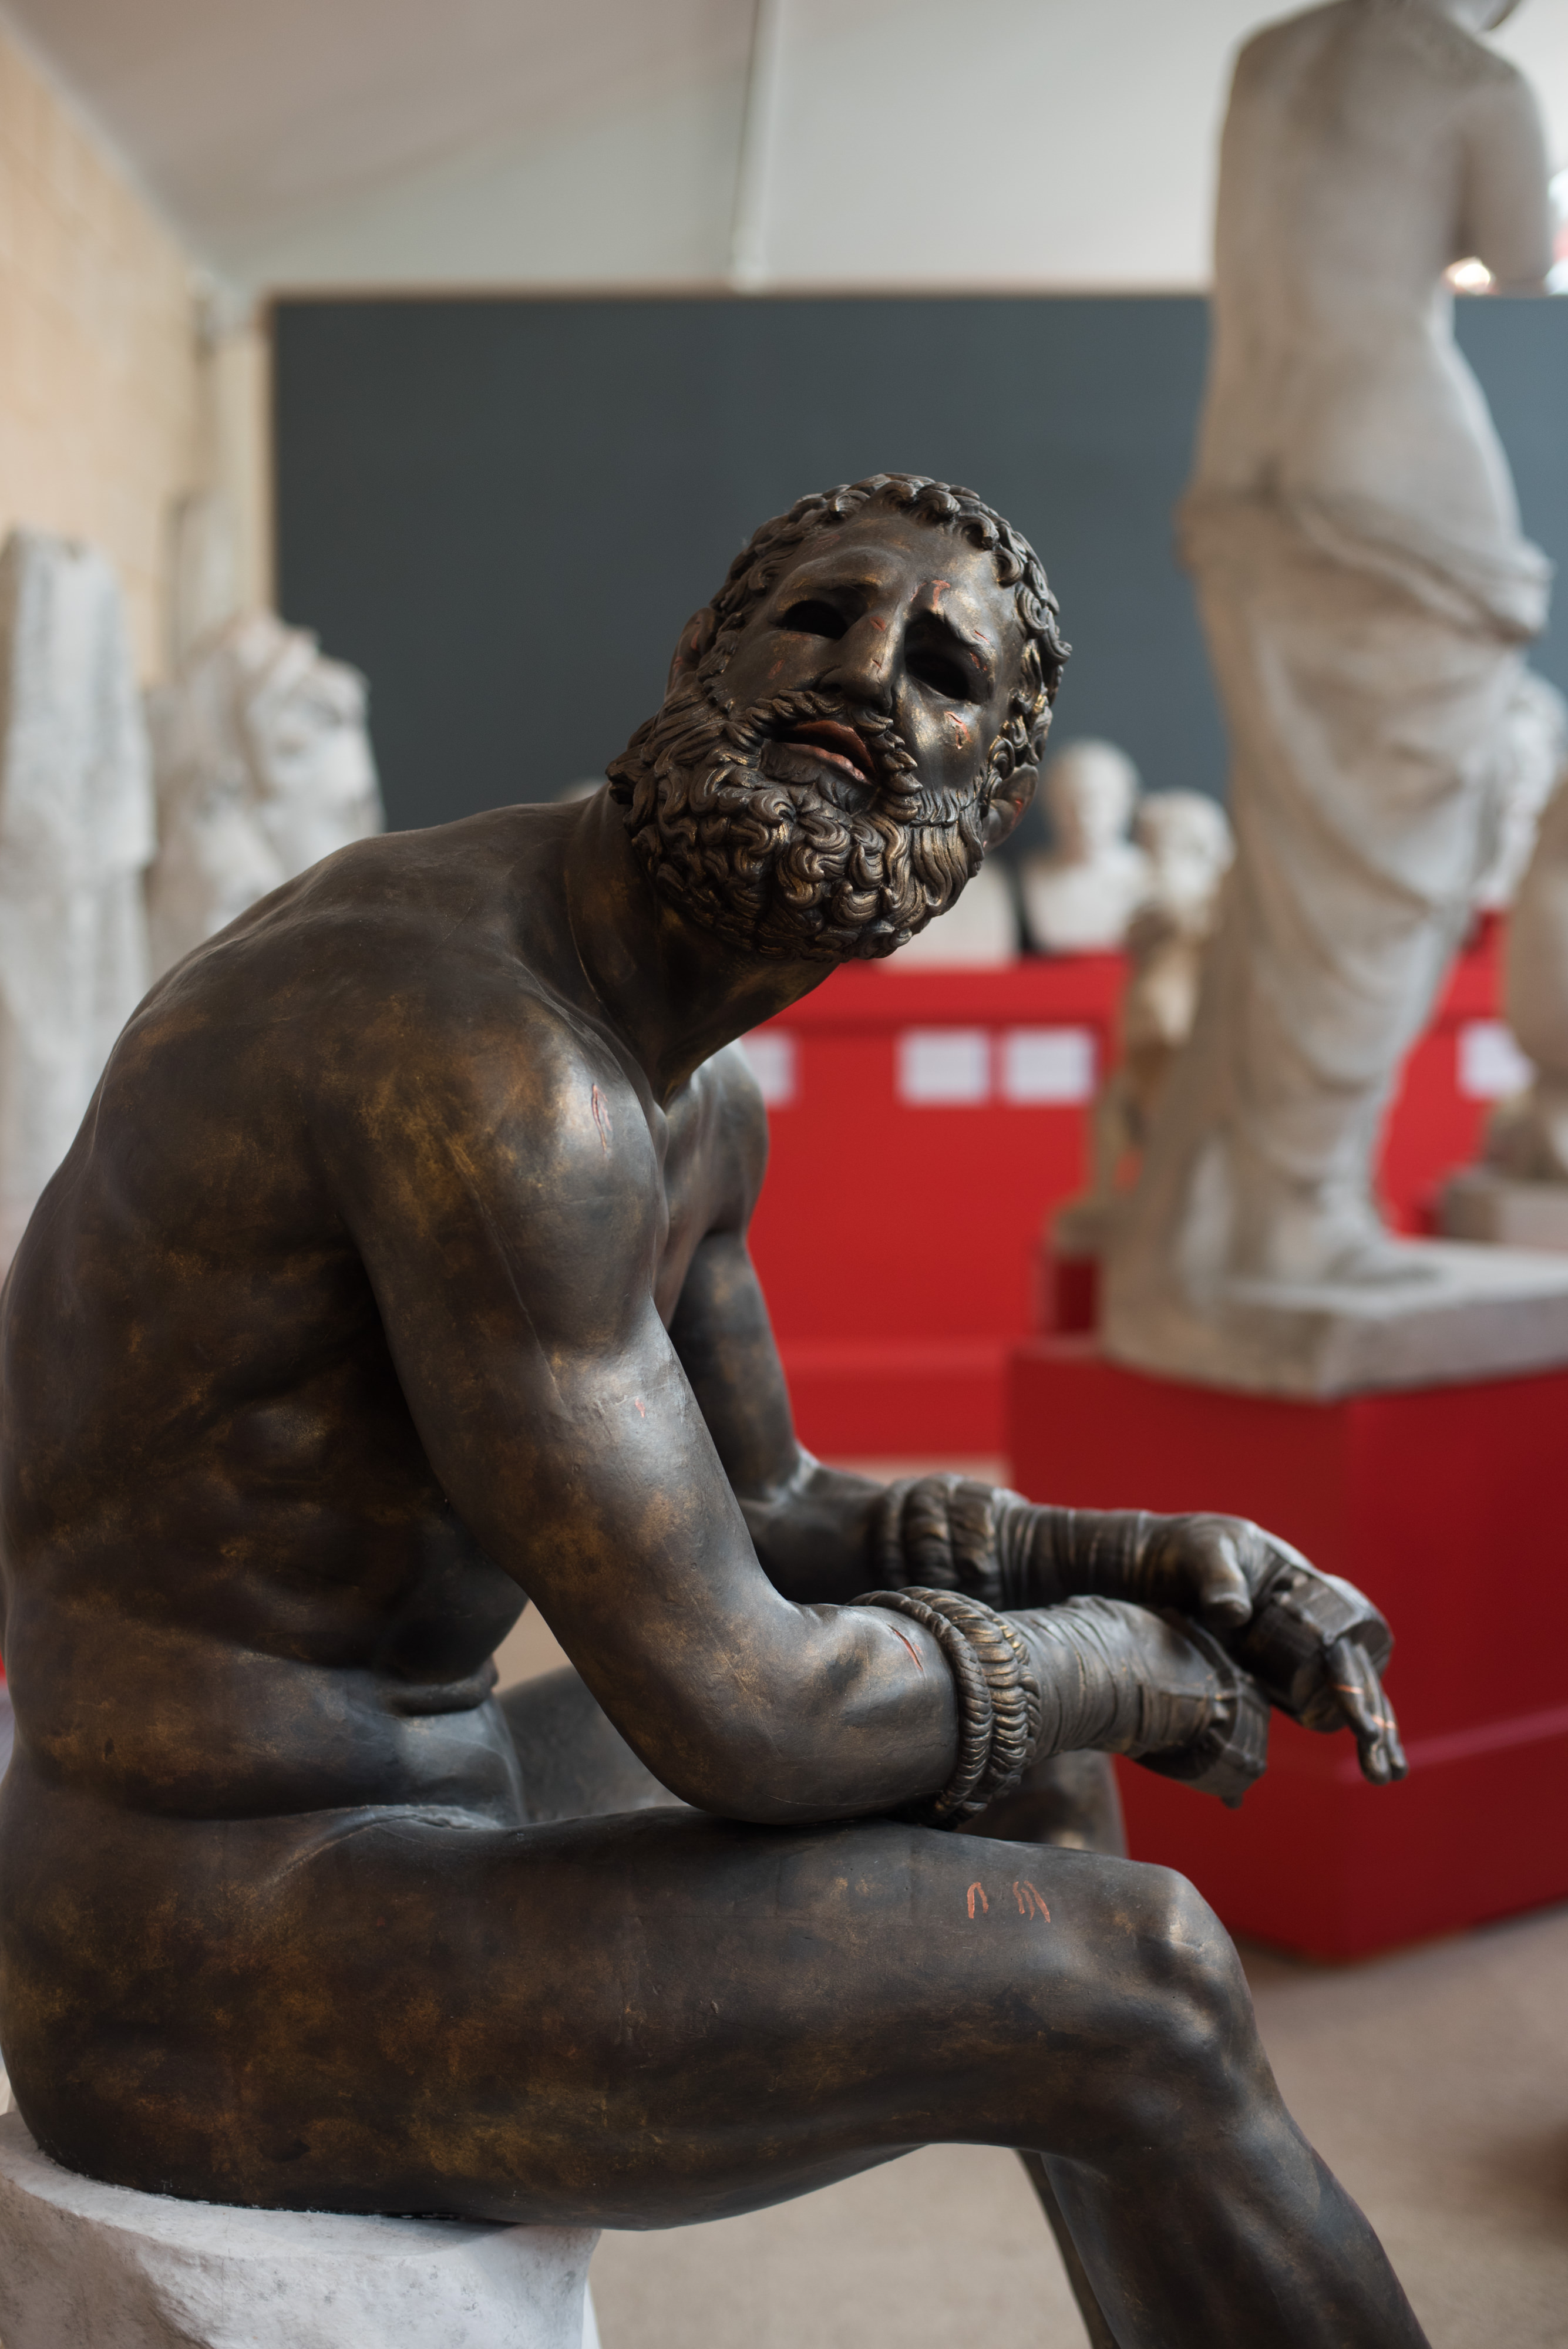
{"x": 246, "y": 116}
{"x": 430, "y": 143}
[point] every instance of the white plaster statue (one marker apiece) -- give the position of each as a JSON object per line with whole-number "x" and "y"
{"x": 1528, "y": 1137}
{"x": 1079, "y": 898}
{"x": 1365, "y": 591}
{"x": 1518, "y": 1191}
{"x": 263, "y": 766}
{"x": 76, "y": 834}
{"x": 1188, "y": 841}
{"x": 1537, "y": 726}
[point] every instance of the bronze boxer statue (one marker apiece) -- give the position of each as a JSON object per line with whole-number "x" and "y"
{"x": 398, "y": 1271}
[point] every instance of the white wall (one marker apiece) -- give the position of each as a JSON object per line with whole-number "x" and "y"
{"x": 919, "y": 142}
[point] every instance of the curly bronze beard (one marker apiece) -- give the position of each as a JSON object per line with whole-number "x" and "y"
{"x": 777, "y": 864}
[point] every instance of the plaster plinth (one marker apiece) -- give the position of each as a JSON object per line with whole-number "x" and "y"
{"x": 89, "y": 2266}
{"x": 1465, "y": 1313}
{"x": 1443, "y": 1504}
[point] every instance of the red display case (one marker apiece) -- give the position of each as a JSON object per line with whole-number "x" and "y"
{"x": 1443, "y": 1504}
{"x": 926, "y": 1123}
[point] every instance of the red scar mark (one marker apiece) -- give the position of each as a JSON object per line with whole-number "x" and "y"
{"x": 984, "y": 1901}
{"x": 1029, "y": 1896}
{"x": 909, "y": 1644}
{"x": 880, "y": 626}
{"x": 602, "y": 1120}
{"x": 637, "y": 1406}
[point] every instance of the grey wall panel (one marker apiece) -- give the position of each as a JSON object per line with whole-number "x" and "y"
{"x": 503, "y": 510}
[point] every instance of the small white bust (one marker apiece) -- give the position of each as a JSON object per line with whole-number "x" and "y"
{"x": 1080, "y": 898}
{"x": 978, "y": 932}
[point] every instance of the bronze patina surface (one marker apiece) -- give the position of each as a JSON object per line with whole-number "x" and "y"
{"x": 398, "y": 1275}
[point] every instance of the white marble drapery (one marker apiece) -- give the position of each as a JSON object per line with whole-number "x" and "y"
{"x": 76, "y": 835}
{"x": 1366, "y": 595}
{"x": 264, "y": 766}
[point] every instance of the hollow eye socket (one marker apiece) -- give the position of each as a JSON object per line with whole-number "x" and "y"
{"x": 943, "y": 674}
{"x": 815, "y": 618}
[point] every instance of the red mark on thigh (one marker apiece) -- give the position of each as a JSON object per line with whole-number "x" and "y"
{"x": 984, "y": 1901}
{"x": 909, "y": 1644}
{"x": 1028, "y": 1898}
{"x": 636, "y": 1405}
{"x": 602, "y": 1120}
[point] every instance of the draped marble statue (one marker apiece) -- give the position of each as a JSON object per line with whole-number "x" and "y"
{"x": 264, "y": 766}
{"x": 1527, "y": 1137}
{"x": 76, "y": 833}
{"x": 1518, "y": 1192}
{"x": 1366, "y": 595}
{"x": 1188, "y": 843}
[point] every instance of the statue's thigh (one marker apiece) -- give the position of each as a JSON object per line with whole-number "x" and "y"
{"x": 659, "y": 2018}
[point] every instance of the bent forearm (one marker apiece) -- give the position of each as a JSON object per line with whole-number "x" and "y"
{"x": 816, "y": 1713}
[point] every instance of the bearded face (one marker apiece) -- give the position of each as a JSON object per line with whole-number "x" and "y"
{"x": 746, "y": 826}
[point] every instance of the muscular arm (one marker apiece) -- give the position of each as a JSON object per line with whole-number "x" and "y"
{"x": 825, "y": 1536}
{"x": 813, "y": 1527}
{"x": 1506, "y": 215}
{"x": 501, "y": 1187}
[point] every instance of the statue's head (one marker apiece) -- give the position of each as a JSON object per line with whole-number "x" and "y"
{"x": 853, "y": 720}
{"x": 1091, "y": 790}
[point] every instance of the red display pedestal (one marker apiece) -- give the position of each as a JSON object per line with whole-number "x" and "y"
{"x": 1445, "y": 1505}
{"x": 926, "y": 1126}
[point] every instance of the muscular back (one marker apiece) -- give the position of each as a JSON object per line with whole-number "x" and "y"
{"x": 236, "y": 1584}
{"x": 1366, "y": 147}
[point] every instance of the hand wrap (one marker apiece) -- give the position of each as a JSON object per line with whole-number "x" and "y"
{"x": 1157, "y": 1687}
{"x": 1092, "y": 1672}
{"x": 953, "y": 1533}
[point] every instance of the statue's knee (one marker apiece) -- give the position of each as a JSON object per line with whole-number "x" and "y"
{"x": 1191, "y": 1989}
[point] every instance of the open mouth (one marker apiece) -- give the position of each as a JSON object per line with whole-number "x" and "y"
{"x": 837, "y": 746}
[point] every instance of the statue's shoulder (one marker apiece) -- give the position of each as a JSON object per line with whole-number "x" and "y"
{"x": 1275, "y": 45}
{"x": 416, "y": 952}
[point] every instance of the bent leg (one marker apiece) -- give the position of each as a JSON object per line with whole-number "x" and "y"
{"x": 575, "y": 1764}
{"x": 650, "y": 2020}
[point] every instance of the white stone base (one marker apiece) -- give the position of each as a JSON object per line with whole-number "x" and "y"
{"x": 88, "y": 2266}
{"x": 1479, "y": 1203}
{"x": 1466, "y": 1313}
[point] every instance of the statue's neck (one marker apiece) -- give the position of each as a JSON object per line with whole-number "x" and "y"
{"x": 673, "y": 992}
